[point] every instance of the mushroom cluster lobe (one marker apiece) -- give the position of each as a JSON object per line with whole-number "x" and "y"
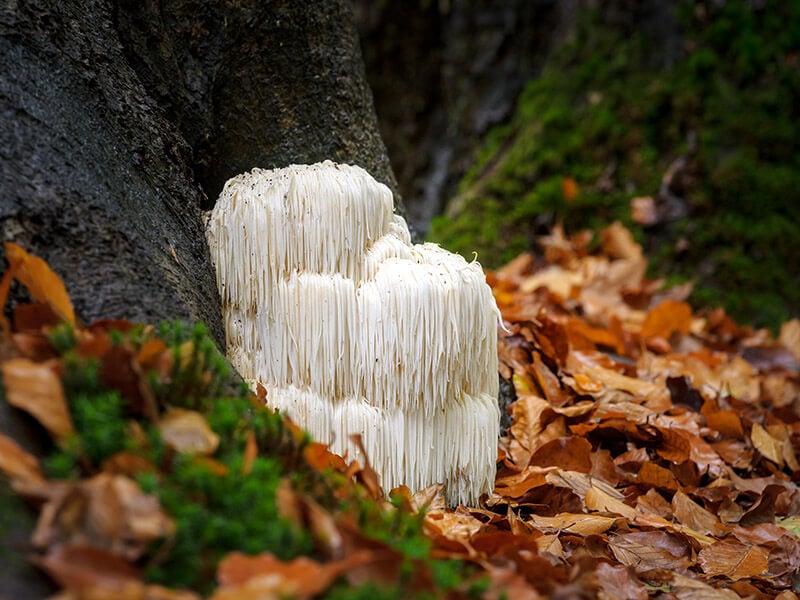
{"x": 352, "y": 329}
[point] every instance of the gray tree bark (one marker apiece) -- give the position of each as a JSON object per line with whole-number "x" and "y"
{"x": 121, "y": 121}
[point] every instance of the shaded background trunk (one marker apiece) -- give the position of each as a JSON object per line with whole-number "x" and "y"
{"x": 444, "y": 72}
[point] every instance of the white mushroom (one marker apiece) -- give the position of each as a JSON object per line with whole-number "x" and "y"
{"x": 352, "y": 329}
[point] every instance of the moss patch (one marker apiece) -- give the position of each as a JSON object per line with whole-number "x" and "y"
{"x": 601, "y": 116}
{"x": 228, "y": 502}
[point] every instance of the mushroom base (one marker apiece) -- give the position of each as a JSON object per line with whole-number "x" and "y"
{"x": 406, "y": 448}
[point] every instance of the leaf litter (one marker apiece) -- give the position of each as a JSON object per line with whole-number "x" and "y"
{"x": 652, "y": 452}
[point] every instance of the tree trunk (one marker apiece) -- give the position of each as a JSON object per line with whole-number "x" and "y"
{"x": 121, "y": 120}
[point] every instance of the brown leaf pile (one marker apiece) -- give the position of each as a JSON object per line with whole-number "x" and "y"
{"x": 653, "y": 452}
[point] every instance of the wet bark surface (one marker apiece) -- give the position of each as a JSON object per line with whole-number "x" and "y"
{"x": 257, "y": 83}
{"x": 122, "y": 121}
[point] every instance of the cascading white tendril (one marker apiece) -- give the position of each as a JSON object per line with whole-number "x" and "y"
{"x": 352, "y": 329}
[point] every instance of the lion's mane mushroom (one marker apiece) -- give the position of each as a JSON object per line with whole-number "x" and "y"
{"x": 352, "y": 329}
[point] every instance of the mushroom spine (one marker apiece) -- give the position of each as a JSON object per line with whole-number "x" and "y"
{"x": 351, "y": 328}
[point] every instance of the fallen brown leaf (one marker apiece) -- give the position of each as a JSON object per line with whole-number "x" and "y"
{"x": 92, "y": 573}
{"x": 36, "y": 389}
{"x": 694, "y": 516}
{"x": 667, "y": 318}
{"x": 41, "y": 281}
{"x": 686, "y": 588}
{"x": 568, "y": 453}
{"x": 16, "y": 463}
{"x": 187, "y": 431}
{"x": 651, "y": 549}
{"x": 770, "y": 447}
{"x": 579, "y": 524}
{"x": 243, "y": 577}
{"x": 250, "y": 453}
{"x": 618, "y": 583}
{"x": 600, "y": 501}
{"x": 733, "y": 559}
{"x": 107, "y": 512}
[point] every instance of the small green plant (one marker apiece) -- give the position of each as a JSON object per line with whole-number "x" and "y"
{"x": 220, "y": 505}
{"x": 216, "y": 514}
{"x": 199, "y": 371}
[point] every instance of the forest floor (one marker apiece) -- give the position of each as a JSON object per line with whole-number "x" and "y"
{"x": 652, "y": 452}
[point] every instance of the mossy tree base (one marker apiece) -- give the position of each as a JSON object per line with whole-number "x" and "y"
{"x": 714, "y": 140}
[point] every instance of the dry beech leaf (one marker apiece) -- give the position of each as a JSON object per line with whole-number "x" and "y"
{"x": 667, "y": 318}
{"x": 323, "y": 526}
{"x": 599, "y": 501}
{"x": 454, "y": 526}
{"x": 16, "y": 463}
{"x": 156, "y": 355}
{"x": 367, "y": 475}
{"x": 127, "y": 463}
{"x": 430, "y": 498}
{"x": 288, "y": 503}
{"x": 653, "y": 503}
{"x": 651, "y": 549}
{"x": 657, "y": 476}
{"x": 92, "y": 574}
{"x": 617, "y": 582}
{"x": 686, "y": 588}
{"x": 550, "y": 544}
{"x": 108, "y": 512}
{"x": 36, "y": 389}
{"x": 767, "y": 445}
{"x": 694, "y": 516}
{"x": 569, "y": 453}
{"x": 41, "y": 281}
{"x": 579, "y": 524}
{"x": 790, "y": 336}
{"x": 517, "y": 267}
{"x": 733, "y": 559}
{"x": 581, "y": 484}
{"x": 618, "y": 242}
{"x": 35, "y": 346}
{"x": 264, "y": 576}
{"x": 763, "y": 534}
{"x": 250, "y": 453}
{"x": 530, "y": 415}
{"x": 34, "y": 317}
{"x": 506, "y": 582}
{"x": 517, "y": 485}
{"x": 602, "y": 337}
{"x": 784, "y": 557}
{"x": 188, "y": 431}
{"x": 616, "y": 381}
{"x": 558, "y": 280}
{"x": 321, "y": 459}
{"x": 87, "y": 571}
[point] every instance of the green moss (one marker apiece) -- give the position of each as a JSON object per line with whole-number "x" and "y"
{"x": 600, "y": 114}
{"x": 218, "y": 512}
{"x": 199, "y": 371}
{"x": 97, "y": 414}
